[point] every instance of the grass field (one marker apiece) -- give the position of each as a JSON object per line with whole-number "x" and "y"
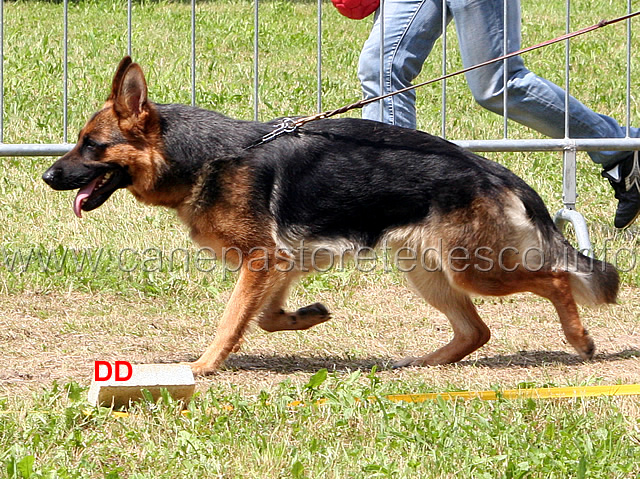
{"x": 116, "y": 285}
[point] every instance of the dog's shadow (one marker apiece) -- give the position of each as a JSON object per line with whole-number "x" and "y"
{"x": 523, "y": 359}
{"x": 534, "y": 359}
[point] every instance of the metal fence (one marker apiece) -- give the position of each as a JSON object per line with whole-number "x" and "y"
{"x": 569, "y": 146}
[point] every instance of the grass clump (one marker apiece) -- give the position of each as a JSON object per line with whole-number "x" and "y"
{"x": 354, "y": 432}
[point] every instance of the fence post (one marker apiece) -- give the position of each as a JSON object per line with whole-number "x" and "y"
{"x": 569, "y": 195}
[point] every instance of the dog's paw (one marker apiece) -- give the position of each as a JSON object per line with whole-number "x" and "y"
{"x": 303, "y": 318}
{"x": 315, "y": 309}
{"x": 316, "y": 313}
{"x": 201, "y": 369}
{"x": 588, "y": 349}
{"x": 407, "y": 362}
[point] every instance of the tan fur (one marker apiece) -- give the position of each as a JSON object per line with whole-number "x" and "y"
{"x": 447, "y": 282}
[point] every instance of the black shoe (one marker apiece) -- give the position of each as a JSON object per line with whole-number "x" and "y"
{"x": 625, "y": 179}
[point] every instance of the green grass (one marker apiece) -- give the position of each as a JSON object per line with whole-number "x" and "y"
{"x": 355, "y": 432}
{"x": 48, "y": 434}
{"x": 35, "y": 217}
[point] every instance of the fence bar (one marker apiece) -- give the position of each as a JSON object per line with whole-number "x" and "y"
{"x": 591, "y": 144}
{"x": 256, "y": 65}
{"x": 569, "y": 184}
{"x": 51, "y": 149}
{"x": 65, "y": 74}
{"x": 1, "y": 71}
{"x": 505, "y": 69}
{"x": 381, "y": 102}
{"x": 567, "y": 76}
{"x": 628, "y": 99}
{"x": 580, "y": 230}
{"x": 443, "y": 108}
{"x": 129, "y": 28}
{"x": 605, "y": 144}
{"x": 193, "y": 52}
{"x": 319, "y": 40}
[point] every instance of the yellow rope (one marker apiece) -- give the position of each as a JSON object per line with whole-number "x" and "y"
{"x": 533, "y": 393}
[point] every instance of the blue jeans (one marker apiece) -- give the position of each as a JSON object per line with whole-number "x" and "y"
{"x": 411, "y": 27}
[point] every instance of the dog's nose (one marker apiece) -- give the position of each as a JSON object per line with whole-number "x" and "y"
{"x": 51, "y": 176}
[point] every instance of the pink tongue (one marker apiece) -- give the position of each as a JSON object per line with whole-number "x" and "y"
{"x": 82, "y": 195}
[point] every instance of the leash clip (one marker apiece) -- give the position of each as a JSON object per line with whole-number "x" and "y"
{"x": 286, "y": 125}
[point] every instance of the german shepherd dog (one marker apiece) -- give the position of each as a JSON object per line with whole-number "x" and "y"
{"x": 459, "y": 224}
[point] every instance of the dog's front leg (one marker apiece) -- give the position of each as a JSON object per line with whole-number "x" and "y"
{"x": 252, "y": 290}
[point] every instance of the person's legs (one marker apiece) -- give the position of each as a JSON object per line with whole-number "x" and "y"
{"x": 534, "y": 101}
{"x": 411, "y": 27}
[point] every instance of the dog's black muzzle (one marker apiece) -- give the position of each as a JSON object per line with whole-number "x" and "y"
{"x": 70, "y": 175}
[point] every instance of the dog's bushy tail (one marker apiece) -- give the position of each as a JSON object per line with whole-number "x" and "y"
{"x": 593, "y": 282}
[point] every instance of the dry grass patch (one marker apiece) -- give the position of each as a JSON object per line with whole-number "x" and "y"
{"x": 57, "y": 337}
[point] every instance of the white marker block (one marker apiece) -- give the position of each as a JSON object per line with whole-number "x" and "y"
{"x": 177, "y": 379}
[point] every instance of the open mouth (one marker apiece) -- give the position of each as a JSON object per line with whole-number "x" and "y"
{"x": 98, "y": 191}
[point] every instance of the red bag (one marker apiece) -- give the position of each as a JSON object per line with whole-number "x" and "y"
{"x": 356, "y": 9}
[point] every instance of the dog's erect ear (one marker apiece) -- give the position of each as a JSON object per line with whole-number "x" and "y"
{"x": 119, "y": 75}
{"x": 131, "y": 97}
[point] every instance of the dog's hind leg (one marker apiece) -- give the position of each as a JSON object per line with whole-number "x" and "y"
{"x": 552, "y": 285}
{"x": 469, "y": 331}
{"x": 556, "y": 287}
{"x": 252, "y": 291}
{"x": 558, "y": 291}
{"x": 274, "y": 318}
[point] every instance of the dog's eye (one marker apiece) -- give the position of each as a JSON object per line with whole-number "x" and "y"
{"x": 90, "y": 144}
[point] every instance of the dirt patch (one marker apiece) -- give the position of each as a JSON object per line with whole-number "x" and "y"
{"x": 46, "y": 338}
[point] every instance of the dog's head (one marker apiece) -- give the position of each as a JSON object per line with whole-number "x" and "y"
{"x": 119, "y": 147}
